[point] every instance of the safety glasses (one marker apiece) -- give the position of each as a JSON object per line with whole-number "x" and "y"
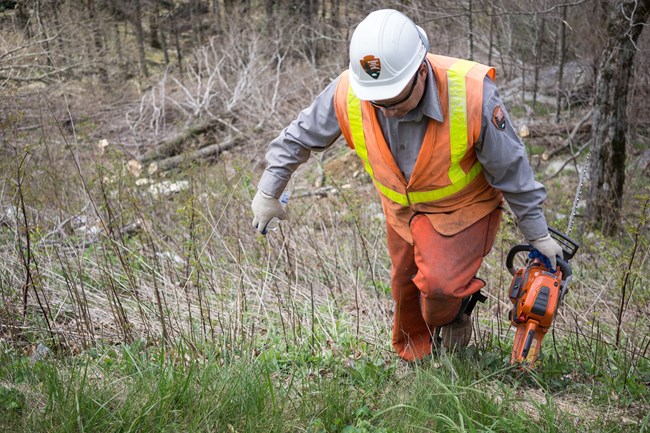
{"x": 394, "y": 104}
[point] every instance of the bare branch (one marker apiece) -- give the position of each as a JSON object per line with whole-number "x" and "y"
{"x": 28, "y": 45}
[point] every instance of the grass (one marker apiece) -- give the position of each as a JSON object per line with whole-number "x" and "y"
{"x": 129, "y": 388}
{"x": 194, "y": 323}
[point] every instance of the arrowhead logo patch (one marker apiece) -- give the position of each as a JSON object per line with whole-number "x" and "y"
{"x": 499, "y": 118}
{"x": 372, "y": 66}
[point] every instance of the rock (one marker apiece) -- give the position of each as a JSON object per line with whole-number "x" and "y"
{"x": 524, "y": 131}
{"x": 41, "y": 352}
{"x": 642, "y": 163}
{"x": 8, "y": 217}
{"x": 167, "y": 188}
{"x": 143, "y": 181}
{"x": 91, "y": 230}
{"x": 102, "y": 145}
{"x": 152, "y": 168}
{"x": 135, "y": 167}
{"x": 172, "y": 257}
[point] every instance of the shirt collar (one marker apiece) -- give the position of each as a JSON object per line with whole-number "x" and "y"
{"x": 430, "y": 104}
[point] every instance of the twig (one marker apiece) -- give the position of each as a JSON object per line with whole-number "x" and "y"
{"x": 62, "y": 224}
{"x": 569, "y": 141}
{"x": 319, "y": 192}
{"x": 621, "y": 308}
{"x": 571, "y": 159}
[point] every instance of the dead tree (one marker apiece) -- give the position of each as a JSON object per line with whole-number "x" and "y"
{"x": 560, "y": 72}
{"x": 610, "y": 124}
{"x": 537, "y": 54}
{"x": 139, "y": 34}
{"x": 470, "y": 32}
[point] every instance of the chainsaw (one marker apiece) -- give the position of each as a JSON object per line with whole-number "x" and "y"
{"x": 536, "y": 292}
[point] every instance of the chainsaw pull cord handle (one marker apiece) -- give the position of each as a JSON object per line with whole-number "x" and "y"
{"x": 562, "y": 264}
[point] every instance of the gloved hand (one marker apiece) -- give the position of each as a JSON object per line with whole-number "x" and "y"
{"x": 265, "y": 208}
{"x": 548, "y": 247}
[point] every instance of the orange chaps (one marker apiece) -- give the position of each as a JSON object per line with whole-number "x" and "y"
{"x": 431, "y": 277}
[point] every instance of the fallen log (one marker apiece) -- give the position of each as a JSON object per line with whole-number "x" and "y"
{"x": 204, "y": 152}
{"x": 578, "y": 129}
{"x": 545, "y": 130}
{"x": 174, "y": 146}
{"x": 570, "y": 159}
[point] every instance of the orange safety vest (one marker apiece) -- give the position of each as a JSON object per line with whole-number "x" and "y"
{"x": 447, "y": 182}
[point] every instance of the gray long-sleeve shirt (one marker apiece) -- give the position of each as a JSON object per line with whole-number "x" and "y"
{"x": 499, "y": 150}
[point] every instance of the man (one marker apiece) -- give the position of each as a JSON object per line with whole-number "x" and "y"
{"x": 434, "y": 137}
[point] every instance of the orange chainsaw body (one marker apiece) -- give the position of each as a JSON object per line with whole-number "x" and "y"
{"x": 535, "y": 293}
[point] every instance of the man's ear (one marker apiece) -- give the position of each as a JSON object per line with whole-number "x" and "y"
{"x": 423, "y": 69}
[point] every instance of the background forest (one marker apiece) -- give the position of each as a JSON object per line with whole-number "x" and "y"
{"x": 135, "y": 296}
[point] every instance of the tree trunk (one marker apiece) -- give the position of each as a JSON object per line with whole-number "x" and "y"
{"x": 216, "y": 11}
{"x": 23, "y": 17}
{"x": 539, "y": 47}
{"x": 523, "y": 82}
{"x": 560, "y": 72}
{"x": 177, "y": 44}
{"x": 124, "y": 67}
{"x": 97, "y": 30}
{"x": 163, "y": 42}
{"x": 491, "y": 44}
{"x": 269, "y": 7}
{"x": 625, "y": 24}
{"x": 154, "y": 28}
{"x": 38, "y": 12}
{"x": 57, "y": 26}
{"x": 139, "y": 34}
{"x": 470, "y": 31}
{"x": 195, "y": 8}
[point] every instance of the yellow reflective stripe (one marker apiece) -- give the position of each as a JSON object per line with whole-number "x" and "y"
{"x": 457, "y": 116}
{"x": 440, "y": 193}
{"x": 356, "y": 129}
{"x": 458, "y": 138}
{"x": 397, "y": 197}
{"x": 355, "y": 118}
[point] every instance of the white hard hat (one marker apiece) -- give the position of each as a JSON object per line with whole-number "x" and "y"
{"x": 386, "y": 50}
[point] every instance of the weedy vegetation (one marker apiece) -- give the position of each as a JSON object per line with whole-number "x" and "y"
{"x": 172, "y": 314}
{"x": 136, "y": 298}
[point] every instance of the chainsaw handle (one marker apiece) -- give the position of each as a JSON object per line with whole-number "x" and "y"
{"x": 511, "y": 256}
{"x": 565, "y": 267}
{"x": 563, "y": 264}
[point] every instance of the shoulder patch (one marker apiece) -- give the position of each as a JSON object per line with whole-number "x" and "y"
{"x": 499, "y": 118}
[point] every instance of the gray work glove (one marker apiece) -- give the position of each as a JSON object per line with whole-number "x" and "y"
{"x": 265, "y": 208}
{"x": 549, "y": 248}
